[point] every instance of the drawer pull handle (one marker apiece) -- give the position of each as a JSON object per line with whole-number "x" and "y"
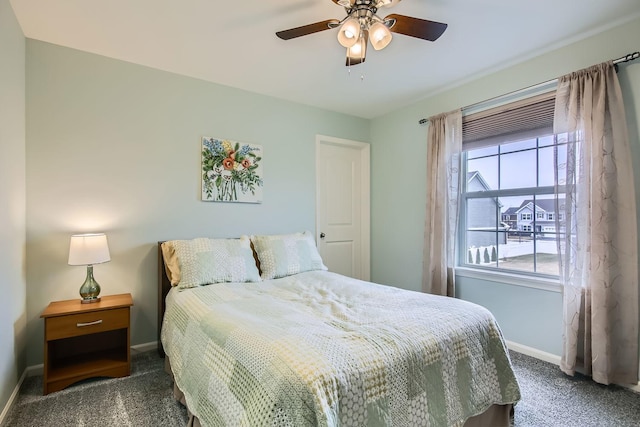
{"x": 97, "y": 322}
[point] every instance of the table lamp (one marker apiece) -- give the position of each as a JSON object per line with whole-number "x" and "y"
{"x": 89, "y": 249}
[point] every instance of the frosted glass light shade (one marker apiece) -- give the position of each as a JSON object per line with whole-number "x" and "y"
{"x": 356, "y": 54}
{"x": 380, "y": 36}
{"x": 387, "y": 3}
{"x": 349, "y": 32}
{"x": 88, "y": 249}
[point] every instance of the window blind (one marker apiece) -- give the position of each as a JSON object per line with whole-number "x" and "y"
{"x": 523, "y": 119}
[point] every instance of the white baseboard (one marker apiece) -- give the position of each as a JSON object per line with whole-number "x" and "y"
{"x": 635, "y": 388}
{"x": 34, "y": 370}
{"x": 12, "y": 398}
{"x": 552, "y": 358}
{"x": 148, "y": 346}
{"x": 534, "y": 352}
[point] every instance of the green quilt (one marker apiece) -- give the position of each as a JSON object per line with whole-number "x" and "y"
{"x": 317, "y": 348}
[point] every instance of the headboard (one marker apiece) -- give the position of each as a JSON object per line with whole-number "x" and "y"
{"x": 164, "y": 286}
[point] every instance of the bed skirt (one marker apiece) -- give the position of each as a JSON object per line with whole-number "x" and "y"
{"x": 495, "y": 416}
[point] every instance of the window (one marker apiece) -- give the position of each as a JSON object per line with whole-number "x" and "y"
{"x": 511, "y": 172}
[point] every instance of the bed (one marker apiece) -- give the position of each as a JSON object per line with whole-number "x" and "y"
{"x": 294, "y": 344}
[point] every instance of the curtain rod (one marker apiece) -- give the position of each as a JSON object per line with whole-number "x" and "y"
{"x": 628, "y": 57}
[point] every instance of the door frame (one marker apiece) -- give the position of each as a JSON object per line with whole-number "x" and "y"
{"x": 365, "y": 201}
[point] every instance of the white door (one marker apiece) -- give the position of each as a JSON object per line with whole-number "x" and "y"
{"x": 342, "y": 205}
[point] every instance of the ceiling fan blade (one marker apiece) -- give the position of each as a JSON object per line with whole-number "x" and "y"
{"x": 307, "y": 29}
{"x": 416, "y": 27}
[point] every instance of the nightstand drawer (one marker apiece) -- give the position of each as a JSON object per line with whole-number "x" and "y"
{"x": 86, "y": 323}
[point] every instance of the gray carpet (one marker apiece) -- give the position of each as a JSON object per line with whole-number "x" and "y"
{"x": 143, "y": 399}
{"x": 549, "y": 398}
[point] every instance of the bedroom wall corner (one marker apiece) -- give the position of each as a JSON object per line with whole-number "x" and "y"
{"x": 13, "y": 306}
{"x": 398, "y": 196}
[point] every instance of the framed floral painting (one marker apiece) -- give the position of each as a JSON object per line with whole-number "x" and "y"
{"x": 231, "y": 171}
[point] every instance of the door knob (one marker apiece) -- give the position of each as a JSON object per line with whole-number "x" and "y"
{"x": 322, "y": 235}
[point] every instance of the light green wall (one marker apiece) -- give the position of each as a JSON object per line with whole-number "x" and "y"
{"x": 398, "y": 150}
{"x": 13, "y": 309}
{"x": 115, "y": 147}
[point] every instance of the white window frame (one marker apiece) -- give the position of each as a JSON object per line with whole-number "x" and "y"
{"x": 514, "y": 277}
{"x": 508, "y": 277}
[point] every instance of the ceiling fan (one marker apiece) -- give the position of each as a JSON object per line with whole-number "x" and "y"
{"x": 362, "y": 24}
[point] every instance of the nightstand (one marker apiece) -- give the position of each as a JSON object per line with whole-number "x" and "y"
{"x": 86, "y": 340}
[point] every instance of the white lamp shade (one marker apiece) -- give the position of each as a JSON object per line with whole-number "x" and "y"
{"x": 88, "y": 249}
{"x": 380, "y": 36}
{"x": 349, "y": 32}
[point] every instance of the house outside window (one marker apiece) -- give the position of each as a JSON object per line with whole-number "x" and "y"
{"x": 508, "y": 202}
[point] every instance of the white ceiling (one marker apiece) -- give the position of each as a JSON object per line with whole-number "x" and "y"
{"x": 233, "y": 42}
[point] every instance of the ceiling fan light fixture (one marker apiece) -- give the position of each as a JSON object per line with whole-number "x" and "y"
{"x": 380, "y": 35}
{"x": 356, "y": 54}
{"x": 387, "y": 3}
{"x": 349, "y": 33}
{"x": 361, "y": 24}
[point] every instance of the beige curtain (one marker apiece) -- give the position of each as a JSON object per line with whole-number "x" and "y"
{"x": 443, "y": 191}
{"x": 599, "y": 269}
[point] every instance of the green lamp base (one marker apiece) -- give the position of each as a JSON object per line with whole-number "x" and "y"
{"x": 90, "y": 289}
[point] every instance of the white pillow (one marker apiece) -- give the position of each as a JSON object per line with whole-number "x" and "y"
{"x": 202, "y": 261}
{"x": 286, "y": 254}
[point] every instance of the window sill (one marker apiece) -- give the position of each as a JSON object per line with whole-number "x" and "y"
{"x": 551, "y": 285}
